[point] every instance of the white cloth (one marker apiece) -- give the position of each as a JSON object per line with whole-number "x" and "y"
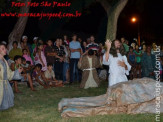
{"x": 117, "y": 73}
{"x": 90, "y": 82}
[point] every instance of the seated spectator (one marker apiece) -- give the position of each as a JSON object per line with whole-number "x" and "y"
{"x": 40, "y": 57}
{"x": 26, "y": 66}
{"x": 15, "y": 51}
{"x": 50, "y": 76}
{"x": 27, "y": 56}
{"x": 24, "y": 76}
{"x": 89, "y": 63}
{"x": 148, "y": 63}
{"x": 38, "y": 76}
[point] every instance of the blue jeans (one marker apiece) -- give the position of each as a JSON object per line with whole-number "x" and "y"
{"x": 74, "y": 70}
{"x": 65, "y": 68}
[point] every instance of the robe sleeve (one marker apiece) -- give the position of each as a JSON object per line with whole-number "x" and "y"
{"x": 97, "y": 62}
{"x": 128, "y": 65}
{"x": 106, "y": 62}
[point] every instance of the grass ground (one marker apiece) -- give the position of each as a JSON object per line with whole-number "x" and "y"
{"x": 41, "y": 106}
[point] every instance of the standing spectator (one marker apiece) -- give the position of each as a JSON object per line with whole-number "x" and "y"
{"x": 10, "y": 46}
{"x": 26, "y": 45}
{"x": 161, "y": 53}
{"x": 80, "y": 40}
{"x": 39, "y": 42}
{"x": 65, "y": 39}
{"x": 34, "y": 46}
{"x": 94, "y": 46}
{"x": 138, "y": 54}
{"x": 154, "y": 48}
{"x": 133, "y": 45}
{"x": 50, "y": 53}
{"x": 132, "y": 62}
{"x": 144, "y": 48}
{"x": 66, "y": 63}
{"x": 88, "y": 41}
{"x": 75, "y": 49}
{"x": 40, "y": 57}
{"x": 59, "y": 50}
{"x": 84, "y": 45}
{"x": 148, "y": 63}
{"x": 15, "y": 51}
{"x": 123, "y": 41}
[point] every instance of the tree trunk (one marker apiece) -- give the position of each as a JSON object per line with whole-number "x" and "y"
{"x": 113, "y": 13}
{"x": 19, "y": 27}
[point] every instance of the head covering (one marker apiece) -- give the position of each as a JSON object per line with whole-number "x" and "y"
{"x": 4, "y": 42}
{"x": 35, "y": 38}
{"x": 24, "y": 37}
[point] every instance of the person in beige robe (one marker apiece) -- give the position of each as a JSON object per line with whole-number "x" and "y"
{"x": 6, "y": 92}
{"x": 88, "y": 64}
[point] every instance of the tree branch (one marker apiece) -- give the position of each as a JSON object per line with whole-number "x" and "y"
{"x": 19, "y": 27}
{"x": 105, "y": 4}
{"x": 120, "y": 6}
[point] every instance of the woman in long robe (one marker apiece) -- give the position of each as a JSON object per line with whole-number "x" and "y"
{"x": 6, "y": 92}
{"x": 88, "y": 64}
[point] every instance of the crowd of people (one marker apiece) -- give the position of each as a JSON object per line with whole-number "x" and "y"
{"x": 60, "y": 62}
{"x": 56, "y": 63}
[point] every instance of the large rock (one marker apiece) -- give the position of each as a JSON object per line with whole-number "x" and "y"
{"x": 132, "y": 97}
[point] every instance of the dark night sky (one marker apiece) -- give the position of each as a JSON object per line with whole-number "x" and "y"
{"x": 94, "y": 21}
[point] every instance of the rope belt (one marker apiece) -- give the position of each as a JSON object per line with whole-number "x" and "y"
{"x": 89, "y": 69}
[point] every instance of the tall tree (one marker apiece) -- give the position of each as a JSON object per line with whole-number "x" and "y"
{"x": 113, "y": 9}
{"x": 20, "y": 25}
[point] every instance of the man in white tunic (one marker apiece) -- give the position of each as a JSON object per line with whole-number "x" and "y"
{"x": 117, "y": 61}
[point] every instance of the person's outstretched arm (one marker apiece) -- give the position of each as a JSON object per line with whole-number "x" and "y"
{"x": 108, "y": 46}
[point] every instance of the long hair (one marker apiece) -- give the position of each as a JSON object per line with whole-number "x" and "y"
{"x": 113, "y": 49}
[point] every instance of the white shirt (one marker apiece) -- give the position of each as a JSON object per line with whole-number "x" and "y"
{"x": 117, "y": 73}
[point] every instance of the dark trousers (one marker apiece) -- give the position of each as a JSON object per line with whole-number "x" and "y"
{"x": 74, "y": 71}
{"x": 58, "y": 70}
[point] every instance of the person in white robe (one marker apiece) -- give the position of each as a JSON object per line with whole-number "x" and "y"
{"x": 117, "y": 61}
